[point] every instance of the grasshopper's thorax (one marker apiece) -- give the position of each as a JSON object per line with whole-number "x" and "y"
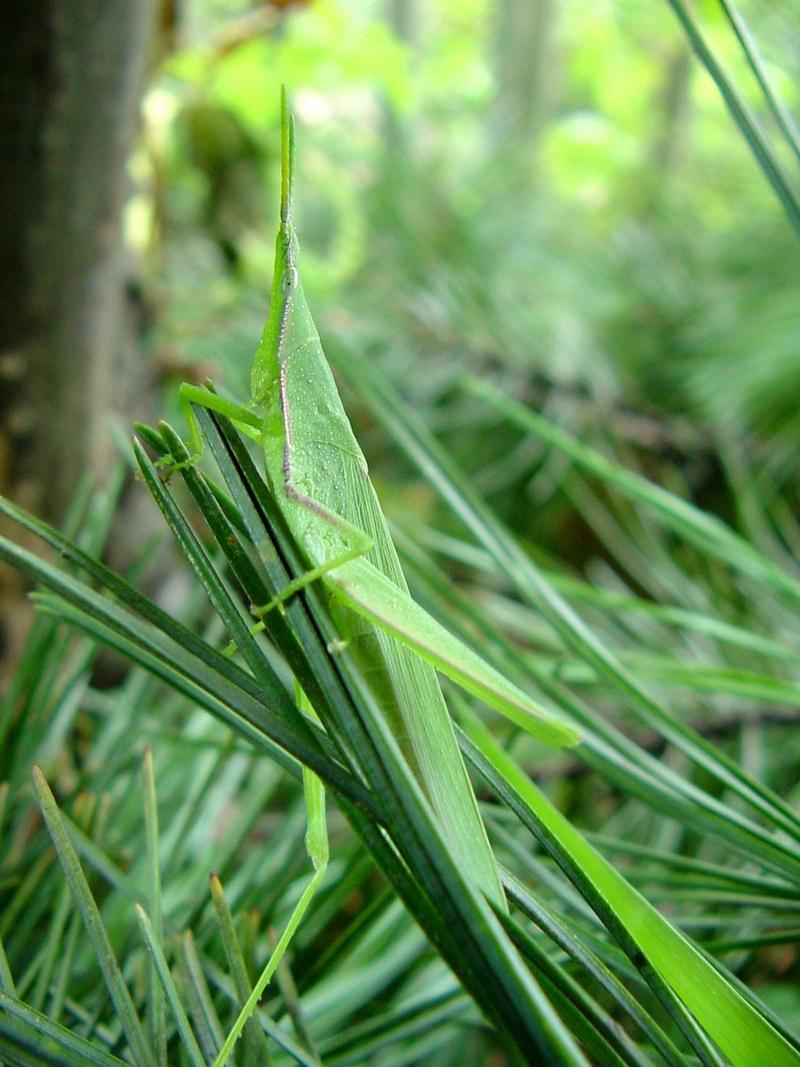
{"x": 265, "y": 373}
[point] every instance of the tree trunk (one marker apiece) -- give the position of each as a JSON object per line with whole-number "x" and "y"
{"x": 70, "y": 81}
{"x": 71, "y": 72}
{"x": 526, "y": 69}
{"x": 673, "y": 103}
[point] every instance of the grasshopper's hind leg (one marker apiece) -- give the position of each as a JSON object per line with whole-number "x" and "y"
{"x": 360, "y": 547}
{"x": 356, "y": 544}
{"x": 318, "y": 851}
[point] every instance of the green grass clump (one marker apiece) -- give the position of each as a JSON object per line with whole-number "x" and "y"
{"x": 629, "y": 894}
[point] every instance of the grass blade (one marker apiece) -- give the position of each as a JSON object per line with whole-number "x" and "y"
{"x": 740, "y": 1031}
{"x": 158, "y": 1035}
{"x": 121, "y": 998}
{"x": 206, "y": 1020}
{"x": 255, "y": 1042}
{"x": 85, "y": 1052}
{"x": 151, "y": 939}
{"x": 780, "y": 113}
{"x": 755, "y": 137}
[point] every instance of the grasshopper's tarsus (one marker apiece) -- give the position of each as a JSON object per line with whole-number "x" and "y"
{"x": 168, "y": 465}
{"x": 232, "y": 648}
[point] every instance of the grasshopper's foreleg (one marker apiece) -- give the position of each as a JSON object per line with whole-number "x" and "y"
{"x": 246, "y": 419}
{"x": 318, "y": 851}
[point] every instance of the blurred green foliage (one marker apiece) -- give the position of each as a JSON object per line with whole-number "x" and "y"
{"x": 552, "y": 192}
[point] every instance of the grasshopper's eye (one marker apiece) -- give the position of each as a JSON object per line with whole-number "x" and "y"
{"x": 289, "y": 280}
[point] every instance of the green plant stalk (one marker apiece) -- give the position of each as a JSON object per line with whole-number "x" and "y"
{"x": 741, "y": 1032}
{"x": 779, "y": 111}
{"x": 756, "y": 139}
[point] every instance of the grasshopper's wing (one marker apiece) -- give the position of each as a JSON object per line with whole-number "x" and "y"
{"x": 371, "y": 594}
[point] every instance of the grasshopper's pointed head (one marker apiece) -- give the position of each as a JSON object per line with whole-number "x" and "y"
{"x": 266, "y": 364}
{"x": 287, "y": 158}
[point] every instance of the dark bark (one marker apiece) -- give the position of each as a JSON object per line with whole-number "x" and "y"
{"x": 70, "y": 78}
{"x": 71, "y": 73}
{"x": 402, "y": 16}
{"x": 526, "y": 70}
{"x": 673, "y": 103}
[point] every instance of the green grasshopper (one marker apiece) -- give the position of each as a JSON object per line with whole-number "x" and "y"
{"x": 318, "y": 475}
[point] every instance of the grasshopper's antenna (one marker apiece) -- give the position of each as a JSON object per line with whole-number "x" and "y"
{"x": 287, "y": 158}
